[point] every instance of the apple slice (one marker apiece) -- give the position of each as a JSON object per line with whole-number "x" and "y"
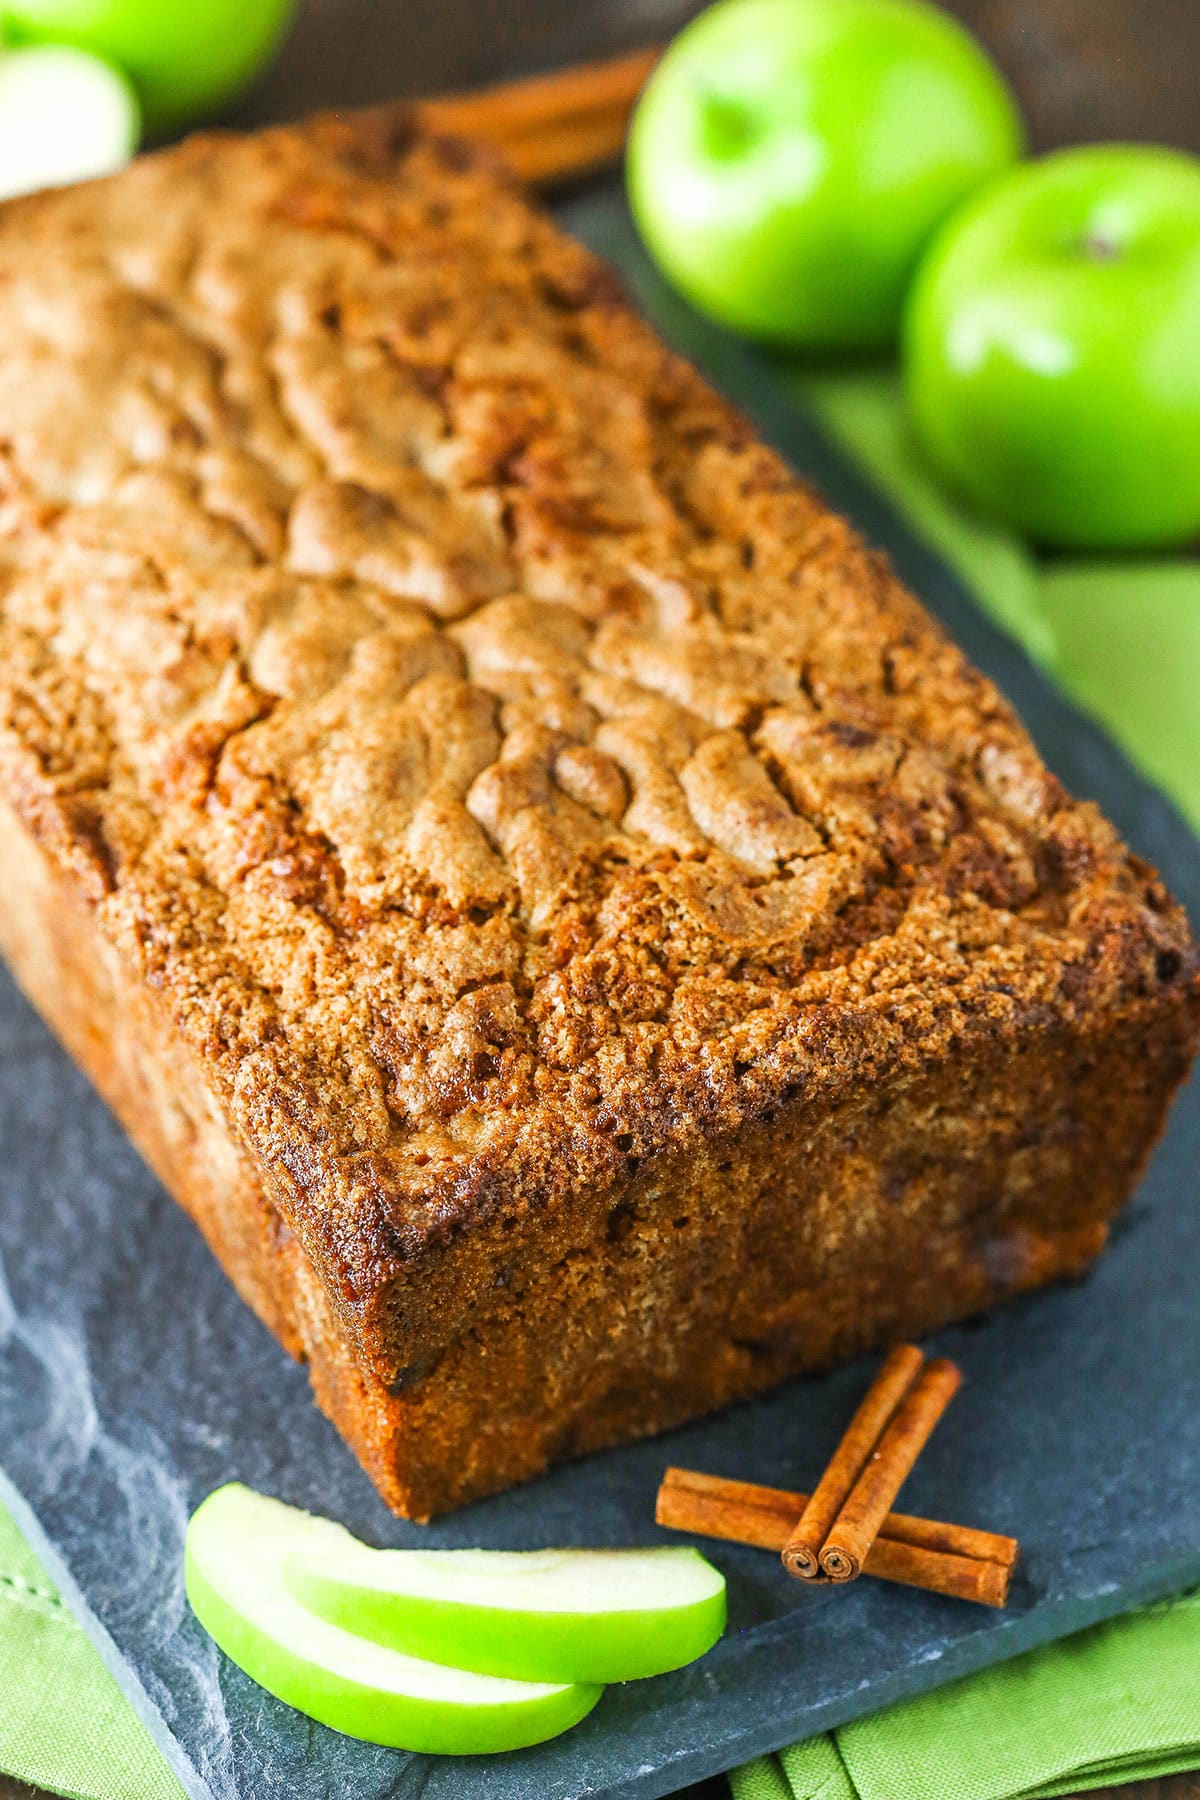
{"x": 537, "y": 1615}
{"x": 237, "y": 1542}
{"x": 64, "y": 116}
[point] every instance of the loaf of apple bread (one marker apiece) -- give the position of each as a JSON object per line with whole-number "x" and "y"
{"x": 576, "y": 936}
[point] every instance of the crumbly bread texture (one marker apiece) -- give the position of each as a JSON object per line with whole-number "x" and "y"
{"x": 576, "y": 934}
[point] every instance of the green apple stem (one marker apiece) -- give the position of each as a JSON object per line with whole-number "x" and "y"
{"x": 727, "y": 126}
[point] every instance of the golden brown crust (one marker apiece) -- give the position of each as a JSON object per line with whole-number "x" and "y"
{"x": 505, "y": 773}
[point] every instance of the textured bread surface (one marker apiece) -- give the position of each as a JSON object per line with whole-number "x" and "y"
{"x": 580, "y": 939}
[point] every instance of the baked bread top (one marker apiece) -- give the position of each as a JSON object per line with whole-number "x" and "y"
{"x": 499, "y": 764}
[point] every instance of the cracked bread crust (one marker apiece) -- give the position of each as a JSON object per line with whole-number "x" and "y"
{"x": 506, "y": 775}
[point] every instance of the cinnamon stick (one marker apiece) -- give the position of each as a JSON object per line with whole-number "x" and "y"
{"x": 802, "y": 1551}
{"x": 567, "y": 150}
{"x": 961, "y": 1562}
{"x": 550, "y": 127}
{"x": 857, "y": 1524}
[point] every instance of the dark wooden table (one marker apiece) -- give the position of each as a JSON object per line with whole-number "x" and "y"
{"x": 1084, "y": 69}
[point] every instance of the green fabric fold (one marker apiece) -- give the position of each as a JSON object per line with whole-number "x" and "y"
{"x": 1118, "y": 1703}
{"x": 64, "y": 1723}
{"x": 1127, "y": 641}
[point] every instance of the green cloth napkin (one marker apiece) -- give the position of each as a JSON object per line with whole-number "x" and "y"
{"x": 64, "y": 1723}
{"x": 1121, "y": 1701}
{"x": 1118, "y": 1703}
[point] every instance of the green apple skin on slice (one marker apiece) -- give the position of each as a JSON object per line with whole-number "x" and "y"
{"x": 237, "y": 1541}
{"x": 538, "y": 1615}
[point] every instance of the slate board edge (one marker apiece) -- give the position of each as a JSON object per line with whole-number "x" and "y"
{"x": 1062, "y": 1619}
{"x": 118, "y": 1665}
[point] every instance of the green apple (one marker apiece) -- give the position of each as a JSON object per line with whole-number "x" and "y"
{"x": 186, "y": 58}
{"x": 64, "y": 116}
{"x": 1052, "y": 349}
{"x": 541, "y": 1615}
{"x": 789, "y": 160}
{"x": 237, "y": 1542}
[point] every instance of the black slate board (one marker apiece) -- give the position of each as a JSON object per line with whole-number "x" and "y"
{"x": 132, "y": 1381}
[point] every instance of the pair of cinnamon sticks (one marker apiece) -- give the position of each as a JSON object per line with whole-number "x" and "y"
{"x": 845, "y": 1527}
